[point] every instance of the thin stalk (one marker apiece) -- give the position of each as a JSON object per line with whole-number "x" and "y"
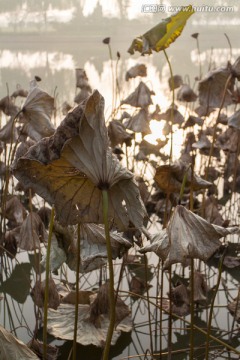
{"x": 199, "y": 60}
{"x": 111, "y": 277}
{"x": 47, "y": 285}
{"x": 74, "y": 352}
{"x": 192, "y": 310}
{"x": 148, "y": 304}
{"x": 192, "y": 272}
{"x": 173, "y": 102}
{"x": 112, "y": 69}
{"x": 212, "y": 307}
{"x": 219, "y": 341}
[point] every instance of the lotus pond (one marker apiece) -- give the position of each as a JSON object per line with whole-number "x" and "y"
{"x": 120, "y": 225}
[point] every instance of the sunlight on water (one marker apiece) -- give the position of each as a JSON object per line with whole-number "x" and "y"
{"x": 54, "y": 61}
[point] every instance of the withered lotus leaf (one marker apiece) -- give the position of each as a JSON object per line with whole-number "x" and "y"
{"x": 12, "y": 348}
{"x": 234, "y": 309}
{"x": 38, "y": 294}
{"x": 228, "y": 140}
{"x": 8, "y": 133}
{"x": 231, "y": 262}
{"x": 212, "y": 213}
{"x": 14, "y": 211}
{"x": 236, "y": 68}
{"x": 19, "y": 92}
{"x": 37, "y": 111}
{"x": 32, "y": 232}
{"x": 8, "y": 107}
{"x": 82, "y": 95}
{"x": 203, "y": 143}
{"x": 100, "y": 306}
{"x": 71, "y": 168}
{"x": 141, "y": 97}
{"x": 137, "y": 70}
{"x": 186, "y": 93}
{"x": 93, "y": 247}
{"x": 57, "y": 255}
{"x": 191, "y": 121}
{"x": 211, "y": 88}
{"x": 234, "y": 120}
{"x": 200, "y": 288}
{"x": 38, "y": 348}
{"x": 118, "y": 134}
{"x": 180, "y": 295}
{"x": 176, "y": 118}
{"x": 170, "y": 177}
{"x": 92, "y": 325}
{"x": 175, "y": 82}
{"x": 139, "y": 122}
{"x": 187, "y": 236}
{"x": 82, "y": 79}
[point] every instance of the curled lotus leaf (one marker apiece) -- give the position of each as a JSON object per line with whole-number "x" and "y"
{"x": 200, "y": 287}
{"x": 82, "y": 95}
{"x": 170, "y": 177}
{"x": 13, "y": 349}
{"x": 82, "y": 79}
{"x": 93, "y": 247}
{"x": 37, "y": 111}
{"x": 38, "y": 294}
{"x": 32, "y": 232}
{"x": 137, "y": 70}
{"x": 203, "y": 143}
{"x": 186, "y": 93}
{"x": 187, "y": 236}
{"x": 212, "y": 87}
{"x": 14, "y": 211}
{"x": 139, "y": 122}
{"x": 234, "y": 120}
{"x": 141, "y": 97}
{"x": 8, "y": 133}
{"x": 191, "y": 121}
{"x": 175, "y": 82}
{"x": 8, "y": 107}
{"x": 57, "y": 255}
{"x": 163, "y": 34}
{"x": 100, "y": 306}
{"x": 234, "y": 309}
{"x": 71, "y": 168}
{"x": 118, "y": 134}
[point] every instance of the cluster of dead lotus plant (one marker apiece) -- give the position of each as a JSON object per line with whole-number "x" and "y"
{"x": 76, "y": 205}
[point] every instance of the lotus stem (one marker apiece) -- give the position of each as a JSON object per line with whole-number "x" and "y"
{"x": 111, "y": 277}
{"x": 212, "y": 306}
{"x": 192, "y": 310}
{"x": 74, "y": 352}
{"x": 112, "y": 69}
{"x": 148, "y": 304}
{"x": 47, "y": 285}
{"x": 173, "y": 103}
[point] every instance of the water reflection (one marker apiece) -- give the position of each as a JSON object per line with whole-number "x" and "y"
{"x": 55, "y": 61}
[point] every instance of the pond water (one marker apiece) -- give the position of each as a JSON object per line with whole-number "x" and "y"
{"x": 51, "y": 42}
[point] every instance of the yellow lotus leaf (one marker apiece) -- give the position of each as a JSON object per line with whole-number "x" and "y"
{"x": 163, "y": 34}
